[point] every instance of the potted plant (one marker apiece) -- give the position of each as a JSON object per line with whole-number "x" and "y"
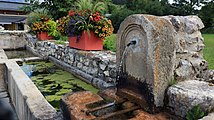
{"x": 37, "y": 21}
{"x": 40, "y": 28}
{"x": 87, "y": 30}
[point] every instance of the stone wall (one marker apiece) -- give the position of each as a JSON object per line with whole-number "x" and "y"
{"x": 97, "y": 67}
{"x": 12, "y": 40}
{"x": 190, "y": 67}
{"x": 189, "y": 44}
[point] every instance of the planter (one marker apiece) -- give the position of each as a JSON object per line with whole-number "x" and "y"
{"x": 86, "y": 42}
{"x": 44, "y": 36}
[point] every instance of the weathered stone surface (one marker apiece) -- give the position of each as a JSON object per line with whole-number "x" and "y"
{"x": 12, "y": 40}
{"x": 189, "y": 46}
{"x": 208, "y": 117}
{"x": 74, "y": 104}
{"x": 184, "y": 95}
{"x": 184, "y": 70}
{"x": 148, "y": 65}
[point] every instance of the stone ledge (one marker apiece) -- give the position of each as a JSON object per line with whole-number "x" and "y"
{"x": 184, "y": 95}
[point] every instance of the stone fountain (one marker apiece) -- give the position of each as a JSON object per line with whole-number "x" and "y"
{"x": 152, "y": 52}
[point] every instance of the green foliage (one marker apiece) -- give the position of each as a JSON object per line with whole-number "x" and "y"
{"x": 118, "y": 15}
{"x": 208, "y": 54}
{"x": 195, "y": 113}
{"x": 146, "y": 6}
{"x": 209, "y": 30}
{"x": 110, "y": 43}
{"x": 91, "y": 5}
{"x": 172, "y": 82}
{"x": 207, "y": 15}
{"x": 60, "y": 42}
{"x": 56, "y": 8}
{"x": 52, "y": 28}
{"x": 36, "y": 15}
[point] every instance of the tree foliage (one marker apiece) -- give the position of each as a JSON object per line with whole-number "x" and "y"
{"x": 91, "y": 5}
{"x": 207, "y": 14}
{"x": 56, "y": 8}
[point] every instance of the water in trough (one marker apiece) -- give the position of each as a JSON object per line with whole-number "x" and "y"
{"x": 54, "y": 82}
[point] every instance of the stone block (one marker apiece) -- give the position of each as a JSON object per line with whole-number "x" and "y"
{"x": 184, "y": 95}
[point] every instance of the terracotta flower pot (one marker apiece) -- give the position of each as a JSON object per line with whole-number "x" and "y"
{"x": 86, "y": 42}
{"x": 44, "y": 36}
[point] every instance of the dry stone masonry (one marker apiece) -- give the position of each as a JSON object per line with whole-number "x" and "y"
{"x": 97, "y": 67}
{"x": 189, "y": 63}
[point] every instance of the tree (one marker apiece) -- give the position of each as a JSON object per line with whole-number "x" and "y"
{"x": 145, "y": 6}
{"x": 207, "y": 14}
{"x": 56, "y": 8}
{"x": 187, "y": 7}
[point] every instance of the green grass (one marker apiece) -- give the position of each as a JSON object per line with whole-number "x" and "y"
{"x": 209, "y": 49}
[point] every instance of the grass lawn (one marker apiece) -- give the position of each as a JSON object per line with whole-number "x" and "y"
{"x": 209, "y": 49}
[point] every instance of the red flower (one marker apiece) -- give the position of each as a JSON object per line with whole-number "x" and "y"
{"x": 97, "y": 13}
{"x": 71, "y": 13}
{"x": 97, "y": 18}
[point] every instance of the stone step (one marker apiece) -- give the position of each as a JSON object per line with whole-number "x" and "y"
{"x": 185, "y": 95}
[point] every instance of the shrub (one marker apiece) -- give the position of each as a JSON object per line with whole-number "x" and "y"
{"x": 118, "y": 16}
{"x": 110, "y": 43}
{"x": 209, "y": 30}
